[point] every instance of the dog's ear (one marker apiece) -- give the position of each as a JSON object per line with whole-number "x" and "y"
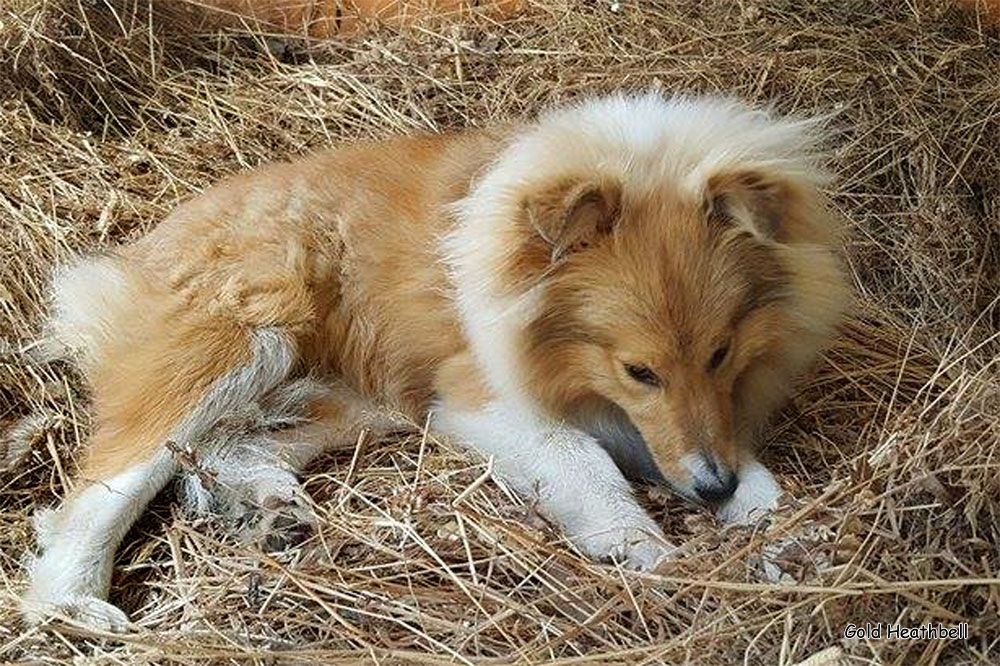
{"x": 767, "y": 205}
{"x": 572, "y": 216}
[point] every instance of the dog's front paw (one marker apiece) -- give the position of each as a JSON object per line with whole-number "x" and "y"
{"x": 755, "y": 497}
{"x": 648, "y": 553}
{"x": 83, "y": 610}
{"x": 640, "y": 547}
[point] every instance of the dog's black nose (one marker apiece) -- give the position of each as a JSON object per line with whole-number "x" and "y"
{"x": 718, "y": 490}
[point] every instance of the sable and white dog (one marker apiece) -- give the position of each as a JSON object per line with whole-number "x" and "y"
{"x": 624, "y": 288}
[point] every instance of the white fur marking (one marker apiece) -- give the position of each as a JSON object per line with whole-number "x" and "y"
{"x": 245, "y": 475}
{"x": 85, "y": 299}
{"x": 755, "y": 497}
{"x": 73, "y": 574}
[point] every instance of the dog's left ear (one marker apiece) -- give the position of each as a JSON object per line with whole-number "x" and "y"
{"x": 572, "y": 216}
{"x": 765, "y": 204}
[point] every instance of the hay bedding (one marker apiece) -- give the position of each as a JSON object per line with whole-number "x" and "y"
{"x": 109, "y": 118}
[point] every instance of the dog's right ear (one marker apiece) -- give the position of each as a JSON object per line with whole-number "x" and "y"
{"x": 769, "y": 205}
{"x": 571, "y": 216}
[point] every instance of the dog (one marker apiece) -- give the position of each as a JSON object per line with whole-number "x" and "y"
{"x": 624, "y": 288}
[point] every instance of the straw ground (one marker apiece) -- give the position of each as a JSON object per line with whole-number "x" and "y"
{"x": 108, "y": 118}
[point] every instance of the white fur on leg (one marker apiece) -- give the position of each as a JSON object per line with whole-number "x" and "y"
{"x": 72, "y": 575}
{"x": 577, "y": 482}
{"x": 755, "y": 497}
{"x": 246, "y": 463}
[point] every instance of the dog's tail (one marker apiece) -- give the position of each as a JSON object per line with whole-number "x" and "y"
{"x": 89, "y": 299}
{"x": 144, "y": 354}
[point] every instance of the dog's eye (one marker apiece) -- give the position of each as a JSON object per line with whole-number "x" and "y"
{"x": 641, "y": 373}
{"x": 718, "y": 357}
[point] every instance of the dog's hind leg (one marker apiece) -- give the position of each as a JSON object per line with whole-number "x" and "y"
{"x": 169, "y": 384}
{"x": 236, "y": 469}
{"x": 79, "y": 540}
{"x": 336, "y": 415}
{"x": 250, "y": 462}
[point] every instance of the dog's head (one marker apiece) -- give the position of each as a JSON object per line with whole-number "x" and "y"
{"x": 669, "y": 306}
{"x": 669, "y": 260}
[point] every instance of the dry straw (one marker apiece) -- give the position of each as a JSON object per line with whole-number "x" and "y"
{"x": 109, "y": 117}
